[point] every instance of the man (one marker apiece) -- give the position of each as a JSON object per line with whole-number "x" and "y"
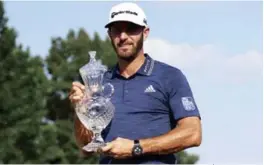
{"x": 156, "y": 115}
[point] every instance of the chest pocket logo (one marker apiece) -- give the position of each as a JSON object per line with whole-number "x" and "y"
{"x": 150, "y": 98}
{"x": 150, "y": 89}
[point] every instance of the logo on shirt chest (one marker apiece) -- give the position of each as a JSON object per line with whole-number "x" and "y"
{"x": 149, "y": 89}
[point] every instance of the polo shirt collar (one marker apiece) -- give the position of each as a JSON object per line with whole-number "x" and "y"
{"x": 146, "y": 69}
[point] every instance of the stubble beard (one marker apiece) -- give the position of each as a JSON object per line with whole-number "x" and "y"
{"x": 130, "y": 56}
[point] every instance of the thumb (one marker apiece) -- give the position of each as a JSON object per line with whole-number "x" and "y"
{"x": 107, "y": 147}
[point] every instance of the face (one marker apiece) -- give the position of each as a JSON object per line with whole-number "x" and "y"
{"x": 127, "y": 39}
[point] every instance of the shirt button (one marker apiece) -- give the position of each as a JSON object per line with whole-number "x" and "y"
{"x": 126, "y": 91}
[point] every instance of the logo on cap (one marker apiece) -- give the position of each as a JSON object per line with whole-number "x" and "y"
{"x": 122, "y": 12}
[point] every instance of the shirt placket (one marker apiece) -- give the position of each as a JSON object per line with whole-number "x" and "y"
{"x": 126, "y": 91}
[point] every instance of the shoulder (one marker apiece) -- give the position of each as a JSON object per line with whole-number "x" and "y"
{"x": 170, "y": 76}
{"x": 167, "y": 71}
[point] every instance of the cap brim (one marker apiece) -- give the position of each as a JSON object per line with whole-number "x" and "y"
{"x": 110, "y": 23}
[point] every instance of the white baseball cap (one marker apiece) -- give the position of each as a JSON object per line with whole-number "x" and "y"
{"x": 127, "y": 11}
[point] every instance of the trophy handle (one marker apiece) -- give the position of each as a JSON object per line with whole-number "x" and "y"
{"x": 108, "y": 93}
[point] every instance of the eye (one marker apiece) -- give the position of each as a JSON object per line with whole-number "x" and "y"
{"x": 114, "y": 31}
{"x": 131, "y": 28}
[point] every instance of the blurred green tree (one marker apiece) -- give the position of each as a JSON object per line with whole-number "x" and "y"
{"x": 186, "y": 158}
{"x": 23, "y": 86}
{"x": 27, "y": 134}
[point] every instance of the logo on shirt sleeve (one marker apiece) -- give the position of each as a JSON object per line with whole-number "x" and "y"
{"x": 188, "y": 103}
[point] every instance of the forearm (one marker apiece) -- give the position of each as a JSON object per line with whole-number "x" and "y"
{"x": 82, "y": 135}
{"x": 174, "y": 141}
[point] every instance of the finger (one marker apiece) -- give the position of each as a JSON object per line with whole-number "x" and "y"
{"x": 107, "y": 148}
{"x": 73, "y": 90}
{"x": 76, "y": 89}
{"x": 74, "y": 99}
{"x": 78, "y": 84}
{"x": 77, "y": 98}
{"x": 76, "y": 92}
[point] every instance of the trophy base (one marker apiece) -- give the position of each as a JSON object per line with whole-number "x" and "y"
{"x": 94, "y": 146}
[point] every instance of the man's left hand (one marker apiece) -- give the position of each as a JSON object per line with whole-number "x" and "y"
{"x": 119, "y": 148}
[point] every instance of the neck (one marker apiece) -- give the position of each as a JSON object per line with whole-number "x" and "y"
{"x": 129, "y": 68}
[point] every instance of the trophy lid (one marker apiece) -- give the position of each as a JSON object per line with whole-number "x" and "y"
{"x": 93, "y": 67}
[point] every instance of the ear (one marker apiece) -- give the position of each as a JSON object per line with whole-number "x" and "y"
{"x": 146, "y": 33}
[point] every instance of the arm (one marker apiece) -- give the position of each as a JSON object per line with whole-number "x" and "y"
{"x": 186, "y": 134}
{"x": 82, "y": 135}
{"x": 184, "y": 110}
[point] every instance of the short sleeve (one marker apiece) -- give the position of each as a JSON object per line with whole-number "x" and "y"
{"x": 181, "y": 100}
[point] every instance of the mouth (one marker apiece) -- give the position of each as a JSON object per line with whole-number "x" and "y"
{"x": 124, "y": 46}
{"x": 121, "y": 45}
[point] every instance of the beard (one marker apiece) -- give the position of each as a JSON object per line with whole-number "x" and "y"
{"x": 132, "y": 53}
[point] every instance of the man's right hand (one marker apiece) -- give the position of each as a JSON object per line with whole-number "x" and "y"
{"x": 77, "y": 92}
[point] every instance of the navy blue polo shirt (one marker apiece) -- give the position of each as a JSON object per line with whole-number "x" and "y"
{"x": 148, "y": 104}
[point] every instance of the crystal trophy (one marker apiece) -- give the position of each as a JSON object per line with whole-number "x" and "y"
{"x": 95, "y": 110}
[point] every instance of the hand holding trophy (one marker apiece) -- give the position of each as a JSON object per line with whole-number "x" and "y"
{"x": 95, "y": 110}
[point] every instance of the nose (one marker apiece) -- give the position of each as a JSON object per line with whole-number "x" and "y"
{"x": 123, "y": 35}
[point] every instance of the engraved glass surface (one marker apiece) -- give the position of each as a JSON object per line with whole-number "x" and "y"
{"x": 95, "y": 110}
